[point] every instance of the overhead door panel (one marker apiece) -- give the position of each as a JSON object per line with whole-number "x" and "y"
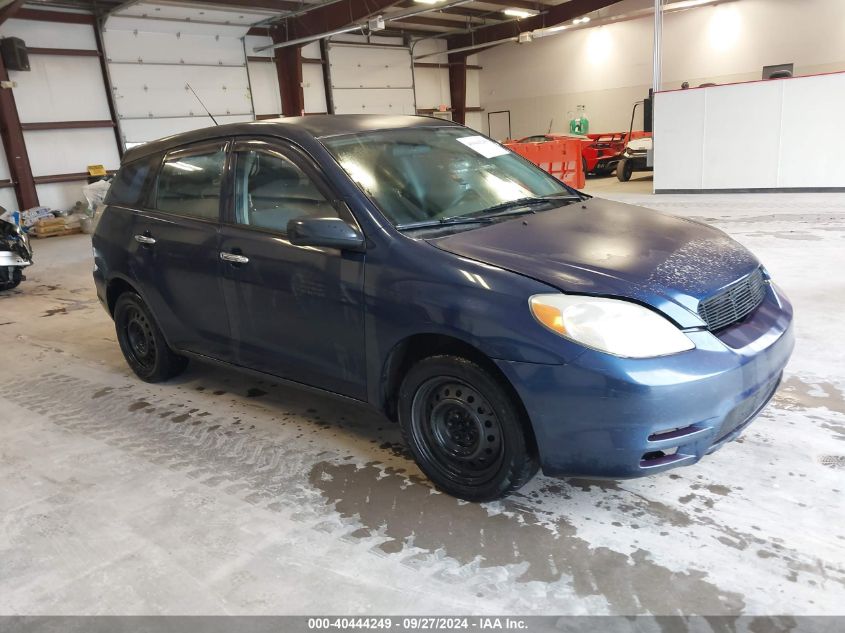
{"x": 157, "y": 53}
{"x": 371, "y": 79}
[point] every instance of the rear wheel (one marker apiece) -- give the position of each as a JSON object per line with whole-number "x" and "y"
{"x": 624, "y": 170}
{"x": 142, "y": 342}
{"x": 465, "y": 430}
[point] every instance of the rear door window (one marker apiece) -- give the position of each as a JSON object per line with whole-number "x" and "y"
{"x": 190, "y": 182}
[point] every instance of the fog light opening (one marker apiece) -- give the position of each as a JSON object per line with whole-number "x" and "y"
{"x": 653, "y": 456}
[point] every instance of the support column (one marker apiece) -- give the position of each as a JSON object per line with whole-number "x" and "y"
{"x": 288, "y": 62}
{"x": 458, "y": 86}
{"x": 15, "y": 146}
{"x": 327, "y": 75}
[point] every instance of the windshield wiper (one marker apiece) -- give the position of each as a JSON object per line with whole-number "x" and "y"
{"x": 450, "y": 221}
{"x": 515, "y": 207}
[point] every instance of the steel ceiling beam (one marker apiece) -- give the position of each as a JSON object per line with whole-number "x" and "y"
{"x": 518, "y": 4}
{"x": 9, "y": 9}
{"x": 552, "y": 16}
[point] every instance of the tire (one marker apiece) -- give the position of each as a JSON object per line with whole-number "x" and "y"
{"x": 584, "y": 166}
{"x": 10, "y": 283}
{"x": 465, "y": 430}
{"x": 624, "y": 170}
{"x": 142, "y": 343}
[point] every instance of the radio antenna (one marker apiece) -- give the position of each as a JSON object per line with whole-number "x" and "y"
{"x": 211, "y": 116}
{"x": 551, "y": 123}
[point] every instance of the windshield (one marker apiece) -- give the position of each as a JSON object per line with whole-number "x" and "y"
{"x": 420, "y": 175}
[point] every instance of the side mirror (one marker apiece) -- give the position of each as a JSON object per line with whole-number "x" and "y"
{"x": 327, "y": 232}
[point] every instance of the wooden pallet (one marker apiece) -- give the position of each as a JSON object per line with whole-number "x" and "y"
{"x": 42, "y": 236}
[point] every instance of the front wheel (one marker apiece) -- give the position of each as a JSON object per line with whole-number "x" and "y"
{"x": 142, "y": 342}
{"x": 465, "y": 430}
{"x": 12, "y": 279}
{"x": 624, "y": 170}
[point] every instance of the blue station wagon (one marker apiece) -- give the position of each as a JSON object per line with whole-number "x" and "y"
{"x": 505, "y": 320}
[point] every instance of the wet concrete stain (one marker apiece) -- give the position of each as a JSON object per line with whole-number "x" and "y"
{"x": 138, "y": 405}
{"x": 101, "y": 392}
{"x": 794, "y": 394}
{"x": 255, "y": 393}
{"x": 412, "y": 515}
{"x": 54, "y": 312}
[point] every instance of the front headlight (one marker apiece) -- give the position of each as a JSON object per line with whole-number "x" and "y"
{"x": 621, "y": 328}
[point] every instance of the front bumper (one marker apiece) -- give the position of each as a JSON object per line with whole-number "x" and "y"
{"x": 8, "y": 258}
{"x": 609, "y": 417}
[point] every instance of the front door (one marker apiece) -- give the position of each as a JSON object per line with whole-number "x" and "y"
{"x": 176, "y": 241}
{"x": 295, "y": 312}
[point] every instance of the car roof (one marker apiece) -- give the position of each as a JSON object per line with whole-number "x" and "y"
{"x": 301, "y": 129}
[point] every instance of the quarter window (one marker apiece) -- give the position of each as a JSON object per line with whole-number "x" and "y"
{"x": 128, "y": 186}
{"x": 270, "y": 191}
{"x": 189, "y": 184}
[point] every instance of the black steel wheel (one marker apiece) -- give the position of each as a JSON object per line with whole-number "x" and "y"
{"x": 142, "y": 343}
{"x": 464, "y": 429}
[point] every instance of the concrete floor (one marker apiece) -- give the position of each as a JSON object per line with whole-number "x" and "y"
{"x": 216, "y": 493}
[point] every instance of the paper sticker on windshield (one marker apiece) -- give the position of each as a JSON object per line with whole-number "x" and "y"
{"x": 484, "y": 146}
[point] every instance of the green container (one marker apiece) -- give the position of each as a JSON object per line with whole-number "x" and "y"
{"x": 579, "y": 123}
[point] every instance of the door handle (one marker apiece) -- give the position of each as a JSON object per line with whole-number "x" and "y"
{"x": 234, "y": 258}
{"x": 145, "y": 239}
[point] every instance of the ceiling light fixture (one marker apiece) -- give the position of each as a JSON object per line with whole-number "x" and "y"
{"x": 521, "y": 13}
{"x": 583, "y": 20}
{"x": 427, "y": 1}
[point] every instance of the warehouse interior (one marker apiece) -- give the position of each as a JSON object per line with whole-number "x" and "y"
{"x": 222, "y": 493}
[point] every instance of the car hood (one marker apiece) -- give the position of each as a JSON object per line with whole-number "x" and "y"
{"x": 600, "y": 247}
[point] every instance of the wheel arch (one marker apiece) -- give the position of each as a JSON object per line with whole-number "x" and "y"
{"x": 115, "y": 287}
{"x": 416, "y": 347}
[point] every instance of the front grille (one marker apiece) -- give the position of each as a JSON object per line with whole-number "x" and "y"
{"x": 733, "y": 303}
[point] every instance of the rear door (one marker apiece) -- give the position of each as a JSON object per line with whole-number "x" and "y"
{"x": 296, "y": 312}
{"x": 176, "y": 242}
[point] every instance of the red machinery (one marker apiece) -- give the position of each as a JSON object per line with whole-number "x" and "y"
{"x": 599, "y": 152}
{"x": 558, "y": 155}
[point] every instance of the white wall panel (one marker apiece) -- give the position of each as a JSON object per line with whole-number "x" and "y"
{"x": 681, "y": 138}
{"x": 7, "y": 199}
{"x": 757, "y": 135}
{"x": 61, "y": 89}
{"x": 432, "y": 87}
{"x": 70, "y": 151}
{"x": 313, "y": 88}
{"x": 4, "y": 164}
{"x": 58, "y": 89}
{"x": 813, "y": 129}
{"x": 741, "y": 135}
{"x": 265, "y": 88}
{"x": 38, "y": 34}
{"x": 61, "y": 195}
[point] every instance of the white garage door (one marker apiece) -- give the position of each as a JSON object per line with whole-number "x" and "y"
{"x": 156, "y": 51}
{"x": 369, "y": 79}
